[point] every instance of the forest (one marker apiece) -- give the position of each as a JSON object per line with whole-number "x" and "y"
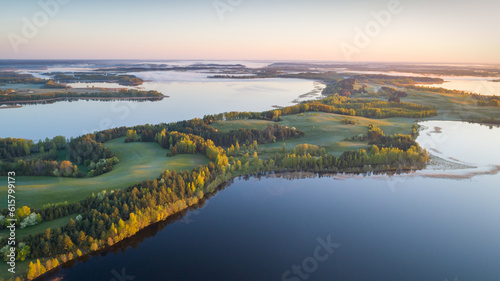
{"x": 15, "y": 97}
{"x": 53, "y": 85}
{"x": 124, "y": 80}
{"x": 364, "y": 107}
{"x": 17, "y": 147}
{"x": 17, "y": 78}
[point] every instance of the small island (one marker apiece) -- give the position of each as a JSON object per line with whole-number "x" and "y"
{"x": 86, "y": 77}
{"x": 11, "y": 98}
{"x": 18, "y": 89}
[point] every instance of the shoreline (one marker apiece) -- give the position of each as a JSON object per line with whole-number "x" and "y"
{"x": 10, "y": 106}
{"x": 15, "y": 104}
{"x": 212, "y": 190}
{"x": 435, "y": 164}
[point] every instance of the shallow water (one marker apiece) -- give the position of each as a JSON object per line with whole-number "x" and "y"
{"x": 461, "y": 141}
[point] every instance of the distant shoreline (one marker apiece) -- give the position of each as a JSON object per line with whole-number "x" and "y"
{"x": 17, "y": 104}
{"x": 10, "y": 106}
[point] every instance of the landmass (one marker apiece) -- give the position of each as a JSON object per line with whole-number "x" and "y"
{"x": 84, "y": 194}
{"x": 14, "y": 99}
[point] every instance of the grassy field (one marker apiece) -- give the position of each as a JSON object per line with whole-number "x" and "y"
{"x": 138, "y": 162}
{"x": 452, "y": 107}
{"x": 21, "y": 267}
{"x": 328, "y": 131}
{"x": 323, "y": 129}
{"x": 41, "y": 227}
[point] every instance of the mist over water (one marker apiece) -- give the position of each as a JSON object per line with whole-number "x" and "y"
{"x": 190, "y": 95}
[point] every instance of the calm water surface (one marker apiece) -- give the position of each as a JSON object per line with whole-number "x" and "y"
{"x": 461, "y": 141}
{"x": 191, "y": 95}
{"x": 413, "y": 228}
{"x": 428, "y": 229}
{"x": 482, "y": 86}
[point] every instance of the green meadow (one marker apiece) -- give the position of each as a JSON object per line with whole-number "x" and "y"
{"x": 41, "y": 227}
{"x": 323, "y": 129}
{"x": 138, "y": 161}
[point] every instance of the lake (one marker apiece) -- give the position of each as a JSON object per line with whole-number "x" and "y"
{"x": 190, "y": 95}
{"x": 377, "y": 227}
{"x": 461, "y": 142}
{"x": 472, "y": 84}
{"x": 429, "y": 229}
{"x": 478, "y": 85}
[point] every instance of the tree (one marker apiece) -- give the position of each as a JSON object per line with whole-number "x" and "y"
{"x": 131, "y": 136}
{"x": 374, "y": 132}
{"x": 394, "y": 99}
{"x": 68, "y": 244}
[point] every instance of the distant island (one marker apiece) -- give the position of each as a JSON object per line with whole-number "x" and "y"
{"x": 12, "y": 98}
{"x": 18, "y": 89}
{"x": 86, "y": 77}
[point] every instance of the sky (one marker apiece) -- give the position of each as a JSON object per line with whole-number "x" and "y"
{"x": 376, "y": 30}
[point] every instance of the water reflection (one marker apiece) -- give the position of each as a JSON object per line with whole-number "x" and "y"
{"x": 187, "y": 100}
{"x": 461, "y": 142}
{"x": 260, "y": 227}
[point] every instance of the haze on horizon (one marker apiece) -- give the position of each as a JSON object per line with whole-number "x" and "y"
{"x": 421, "y": 31}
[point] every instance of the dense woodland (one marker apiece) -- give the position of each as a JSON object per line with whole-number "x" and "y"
{"x": 16, "y": 147}
{"x": 70, "y": 95}
{"x": 17, "y": 78}
{"x": 493, "y": 101}
{"x": 35, "y": 159}
{"x": 125, "y": 80}
{"x": 91, "y": 153}
{"x": 344, "y": 87}
{"x": 348, "y": 87}
{"x": 401, "y": 81}
{"x": 41, "y": 167}
{"x": 53, "y": 85}
{"x": 370, "y": 108}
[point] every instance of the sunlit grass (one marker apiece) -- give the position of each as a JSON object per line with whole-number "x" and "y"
{"x": 138, "y": 161}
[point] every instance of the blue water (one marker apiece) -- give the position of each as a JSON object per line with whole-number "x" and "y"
{"x": 424, "y": 229}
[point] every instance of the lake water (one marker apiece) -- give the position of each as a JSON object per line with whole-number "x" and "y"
{"x": 482, "y": 86}
{"x": 377, "y": 227}
{"x": 429, "y": 225}
{"x": 478, "y": 85}
{"x": 429, "y": 229}
{"x": 461, "y": 142}
{"x": 190, "y": 95}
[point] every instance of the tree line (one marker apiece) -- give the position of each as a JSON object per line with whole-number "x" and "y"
{"x": 370, "y": 108}
{"x": 85, "y": 150}
{"x": 10, "y": 77}
{"x": 11, "y": 148}
{"x": 123, "y": 93}
{"x": 123, "y": 79}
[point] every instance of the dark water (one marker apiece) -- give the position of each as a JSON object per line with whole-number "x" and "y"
{"x": 418, "y": 229}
